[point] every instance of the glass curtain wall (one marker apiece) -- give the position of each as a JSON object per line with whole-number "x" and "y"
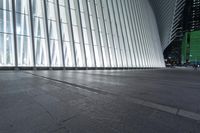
{"x": 102, "y": 31}
{"x": 87, "y": 34}
{"x": 54, "y": 33}
{"x": 78, "y": 33}
{"x": 95, "y": 33}
{"x": 109, "y": 34}
{"x": 6, "y": 34}
{"x": 39, "y": 33}
{"x": 65, "y": 22}
{"x": 23, "y": 33}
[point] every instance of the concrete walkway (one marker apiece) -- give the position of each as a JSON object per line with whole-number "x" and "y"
{"x": 110, "y": 101}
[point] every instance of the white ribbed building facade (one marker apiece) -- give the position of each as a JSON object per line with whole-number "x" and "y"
{"x": 79, "y": 33}
{"x": 168, "y": 14}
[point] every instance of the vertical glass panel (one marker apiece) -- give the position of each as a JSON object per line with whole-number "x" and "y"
{"x": 23, "y": 31}
{"x": 6, "y": 21}
{"x": 40, "y": 40}
{"x": 124, "y": 35}
{"x": 111, "y": 50}
{"x": 102, "y": 34}
{"x": 24, "y": 50}
{"x": 89, "y": 55}
{"x": 78, "y": 54}
{"x": 77, "y": 35}
{"x": 86, "y": 33}
{"x": 108, "y": 28}
{"x": 21, "y": 6}
{"x": 23, "y": 24}
{"x": 95, "y": 34}
{"x": 41, "y": 54}
{"x": 119, "y": 29}
{"x": 53, "y": 33}
{"x": 65, "y": 30}
{"x": 115, "y": 34}
{"x": 6, "y": 4}
{"x": 68, "y": 54}
{"x": 6, "y": 34}
{"x": 6, "y": 50}
{"x": 132, "y": 43}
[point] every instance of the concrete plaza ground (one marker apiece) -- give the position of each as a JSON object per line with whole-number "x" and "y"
{"x": 100, "y": 101}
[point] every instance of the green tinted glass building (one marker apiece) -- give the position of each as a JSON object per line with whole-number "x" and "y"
{"x": 191, "y": 48}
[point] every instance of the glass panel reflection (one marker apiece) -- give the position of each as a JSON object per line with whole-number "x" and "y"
{"x": 23, "y": 31}
{"x": 53, "y": 33}
{"x": 40, "y": 40}
{"x": 6, "y": 34}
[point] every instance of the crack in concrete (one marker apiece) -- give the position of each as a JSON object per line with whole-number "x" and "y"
{"x": 69, "y": 119}
{"x": 49, "y": 114}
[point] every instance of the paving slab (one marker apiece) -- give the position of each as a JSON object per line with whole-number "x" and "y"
{"x": 100, "y": 101}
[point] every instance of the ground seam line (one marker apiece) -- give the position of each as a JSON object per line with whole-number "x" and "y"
{"x": 160, "y": 107}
